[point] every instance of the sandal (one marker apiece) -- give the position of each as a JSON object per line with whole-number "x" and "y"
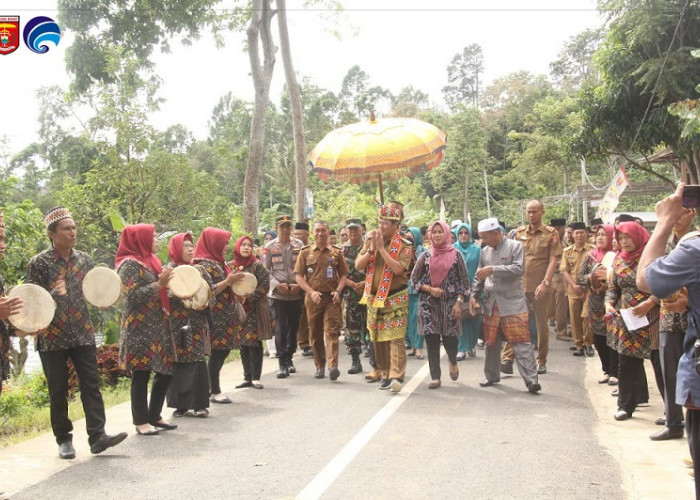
{"x": 411, "y": 352}
{"x": 454, "y": 374}
{"x": 419, "y": 354}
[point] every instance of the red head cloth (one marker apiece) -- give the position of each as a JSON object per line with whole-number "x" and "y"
{"x": 639, "y": 235}
{"x": 211, "y": 245}
{"x": 441, "y": 257}
{"x": 176, "y": 246}
{"x": 238, "y": 260}
{"x": 136, "y": 243}
{"x": 599, "y": 253}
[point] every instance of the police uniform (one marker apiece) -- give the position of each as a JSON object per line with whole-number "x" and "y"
{"x": 279, "y": 259}
{"x": 539, "y": 246}
{"x": 323, "y": 269}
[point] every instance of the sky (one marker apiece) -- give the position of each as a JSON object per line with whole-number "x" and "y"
{"x": 396, "y": 42}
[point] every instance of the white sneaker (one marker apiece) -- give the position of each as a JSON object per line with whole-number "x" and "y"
{"x": 395, "y": 386}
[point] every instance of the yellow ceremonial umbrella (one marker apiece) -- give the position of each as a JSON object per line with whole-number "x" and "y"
{"x": 364, "y": 151}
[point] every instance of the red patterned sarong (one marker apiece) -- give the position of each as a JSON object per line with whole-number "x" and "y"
{"x": 515, "y": 328}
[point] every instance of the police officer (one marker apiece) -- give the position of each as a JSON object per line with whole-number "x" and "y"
{"x": 320, "y": 271}
{"x": 279, "y": 257}
{"x": 355, "y": 313}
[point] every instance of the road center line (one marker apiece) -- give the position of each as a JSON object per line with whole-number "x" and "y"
{"x": 337, "y": 465}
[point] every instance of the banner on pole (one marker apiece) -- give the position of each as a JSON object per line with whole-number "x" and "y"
{"x": 612, "y": 196}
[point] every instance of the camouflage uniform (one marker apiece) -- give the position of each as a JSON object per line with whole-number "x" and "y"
{"x": 355, "y": 313}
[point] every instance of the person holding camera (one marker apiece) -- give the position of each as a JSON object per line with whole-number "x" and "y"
{"x": 664, "y": 275}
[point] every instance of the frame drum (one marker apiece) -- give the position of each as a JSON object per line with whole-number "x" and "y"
{"x": 246, "y": 286}
{"x": 201, "y": 298}
{"x": 185, "y": 281}
{"x": 38, "y": 309}
{"x": 102, "y": 287}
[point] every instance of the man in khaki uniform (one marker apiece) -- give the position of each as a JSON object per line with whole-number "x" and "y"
{"x": 571, "y": 261}
{"x": 320, "y": 271}
{"x": 542, "y": 251}
{"x": 301, "y": 233}
{"x": 559, "y": 305}
{"x": 387, "y": 257}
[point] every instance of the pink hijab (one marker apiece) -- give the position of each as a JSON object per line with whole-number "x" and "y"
{"x": 599, "y": 253}
{"x": 441, "y": 257}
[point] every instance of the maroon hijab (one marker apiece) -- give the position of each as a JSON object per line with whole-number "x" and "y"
{"x": 238, "y": 260}
{"x": 599, "y": 253}
{"x": 210, "y": 246}
{"x": 136, "y": 243}
{"x": 441, "y": 257}
{"x": 176, "y": 247}
{"x": 639, "y": 235}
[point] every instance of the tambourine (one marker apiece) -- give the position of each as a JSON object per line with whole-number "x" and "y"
{"x": 37, "y": 310}
{"x": 246, "y": 286}
{"x": 102, "y": 287}
{"x": 185, "y": 281}
{"x": 607, "y": 262}
{"x": 201, "y": 298}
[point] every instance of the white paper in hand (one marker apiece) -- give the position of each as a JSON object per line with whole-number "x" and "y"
{"x": 632, "y": 321}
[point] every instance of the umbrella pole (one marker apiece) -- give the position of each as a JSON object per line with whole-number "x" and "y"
{"x": 381, "y": 189}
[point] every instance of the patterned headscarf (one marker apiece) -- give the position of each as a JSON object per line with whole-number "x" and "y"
{"x": 441, "y": 257}
{"x": 56, "y": 214}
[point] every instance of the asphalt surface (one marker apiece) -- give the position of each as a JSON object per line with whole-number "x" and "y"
{"x": 306, "y": 438}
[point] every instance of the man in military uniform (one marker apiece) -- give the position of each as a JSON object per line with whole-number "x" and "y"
{"x": 387, "y": 257}
{"x": 559, "y": 305}
{"x": 301, "y": 232}
{"x": 355, "y": 313}
{"x": 542, "y": 252}
{"x": 279, "y": 257}
{"x": 571, "y": 261}
{"x": 320, "y": 271}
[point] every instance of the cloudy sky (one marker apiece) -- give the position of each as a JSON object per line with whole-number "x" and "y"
{"x": 397, "y": 42}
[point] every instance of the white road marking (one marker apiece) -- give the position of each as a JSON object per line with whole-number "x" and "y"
{"x": 337, "y": 465}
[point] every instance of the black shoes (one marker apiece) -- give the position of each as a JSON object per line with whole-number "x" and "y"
{"x": 164, "y": 426}
{"x": 579, "y": 352}
{"x": 320, "y": 373}
{"x": 245, "y": 383}
{"x": 284, "y": 369}
{"x": 66, "y": 450}
{"x": 356, "y": 365}
{"x": 660, "y": 421}
{"x": 107, "y": 441}
{"x": 541, "y": 369}
{"x": 534, "y": 387}
{"x": 384, "y": 384}
{"x": 488, "y": 383}
{"x": 667, "y": 433}
{"x": 291, "y": 368}
{"x": 307, "y": 352}
{"x": 589, "y": 351}
{"x": 333, "y": 374}
{"x": 507, "y": 367}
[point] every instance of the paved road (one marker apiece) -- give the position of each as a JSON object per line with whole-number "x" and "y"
{"x": 306, "y": 438}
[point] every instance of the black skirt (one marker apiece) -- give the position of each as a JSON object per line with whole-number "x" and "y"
{"x": 189, "y": 389}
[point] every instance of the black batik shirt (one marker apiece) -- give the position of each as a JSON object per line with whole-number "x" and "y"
{"x": 71, "y": 325}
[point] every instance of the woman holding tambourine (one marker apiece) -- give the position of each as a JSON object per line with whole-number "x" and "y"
{"x": 146, "y": 344}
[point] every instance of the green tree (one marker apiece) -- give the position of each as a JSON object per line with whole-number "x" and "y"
{"x": 463, "y": 74}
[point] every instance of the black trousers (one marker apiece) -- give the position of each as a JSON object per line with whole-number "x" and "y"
{"x": 632, "y": 387}
{"x": 606, "y": 355}
{"x": 55, "y": 364}
{"x": 692, "y": 430}
{"x": 432, "y": 343}
{"x": 142, "y": 410}
{"x": 216, "y": 361}
{"x": 252, "y": 360}
{"x": 670, "y": 351}
{"x": 286, "y": 314}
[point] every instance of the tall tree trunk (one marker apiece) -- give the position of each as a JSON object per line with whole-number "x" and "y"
{"x": 259, "y": 33}
{"x": 297, "y": 113}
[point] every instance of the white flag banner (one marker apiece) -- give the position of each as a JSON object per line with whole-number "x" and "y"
{"x": 612, "y": 196}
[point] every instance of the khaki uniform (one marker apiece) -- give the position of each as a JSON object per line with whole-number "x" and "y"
{"x": 539, "y": 246}
{"x": 559, "y": 305}
{"x": 571, "y": 262}
{"x": 323, "y": 268}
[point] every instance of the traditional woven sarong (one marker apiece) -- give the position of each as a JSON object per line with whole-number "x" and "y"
{"x": 388, "y": 322}
{"x": 515, "y": 328}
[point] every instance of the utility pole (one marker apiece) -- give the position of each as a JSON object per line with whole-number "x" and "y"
{"x": 584, "y": 200}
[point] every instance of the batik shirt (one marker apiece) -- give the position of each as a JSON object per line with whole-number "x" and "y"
{"x": 71, "y": 325}
{"x": 4, "y": 342}
{"x": 226, "y": 316}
